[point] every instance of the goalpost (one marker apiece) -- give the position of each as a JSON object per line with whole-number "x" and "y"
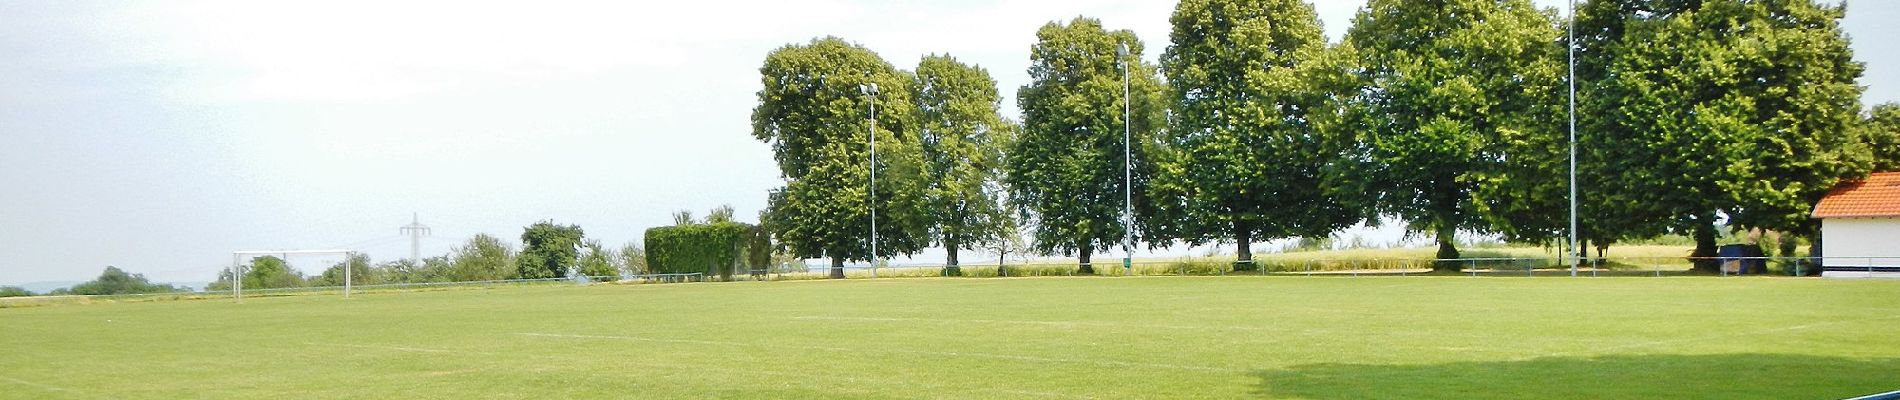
{"x": 237, "y": 266}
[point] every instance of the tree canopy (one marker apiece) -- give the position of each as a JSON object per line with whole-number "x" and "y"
{"x": 963, "y": 135}
{"x": 1450, "y": 90}
{"x": 548, "y": 250}
{"x": 1244, "y": 158}
{"x": 814, "y": 111}
{"x": 1065, "y": 170}
{"x": 1717, "y": 111}
{"x": 116, "y": 281}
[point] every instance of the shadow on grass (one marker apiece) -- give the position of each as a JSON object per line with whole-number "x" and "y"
{"x": 1724, "y": 376}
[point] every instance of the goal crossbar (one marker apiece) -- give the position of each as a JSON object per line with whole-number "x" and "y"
{"x": 237, "y": 264}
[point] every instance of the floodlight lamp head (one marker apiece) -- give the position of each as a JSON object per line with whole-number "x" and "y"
{"x": 1121, "y": 49}
{"x": 869, "y": 89}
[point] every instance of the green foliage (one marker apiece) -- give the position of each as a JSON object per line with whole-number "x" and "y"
{"x": 270, "y": 272}
{"x": 1456, "y": 96}
{"x": 722, "y": 213}
{"x": 812, "y": 111}
{"x": 1717, "y": 107}
{"x": 963, "y": 136}
{"x": 548, "y": 250}
{"x": 1882, "y": 133}
{"x": 634, "y": 259}
{"x": 683, "y": 218}
{"x": 711, "y": 249}
{"x": 1066, "y": 171}
{"x": 483, "y": 258}
{"x": 598, "y": 262}
{"x": 115, "y": 281}
{"x": 758, "y": 247}
{"x": 362, "y": 272}
{"x": 1245, "y": 157}
{"x": 14, "y": 291}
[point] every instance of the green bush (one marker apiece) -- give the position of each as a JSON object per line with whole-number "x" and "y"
{"x": 711, "y": 249}
{"x": 14, "y": 291}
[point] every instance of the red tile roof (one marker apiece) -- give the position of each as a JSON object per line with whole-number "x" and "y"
{"x": 1876, "y": 196}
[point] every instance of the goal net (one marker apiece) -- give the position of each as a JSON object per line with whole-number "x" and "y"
{"x": 270, "y": 269}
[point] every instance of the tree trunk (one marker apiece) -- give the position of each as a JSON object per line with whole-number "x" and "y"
{"x": 1001, "y": 256}
{"x": 1601, "y": 260}
{"x": 1704, "y": 254}
{"x": 1786, "y": 252}
{"x": 950, "y": 267}
{"x": 1447, "y": 249}
{"x": 837, "y": 268}
{"x": 1814, "y": 253}
{"x": 1583, "y": 251}
{"x": 1087, "y": 250}
{"x": 1243, "y": 243}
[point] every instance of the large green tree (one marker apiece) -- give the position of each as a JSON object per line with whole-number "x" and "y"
{"x": 1882, "y": 133}
{"x": 548, "y": 250}
{"x": 963, "y": 135}
{"x": 1245, "y": 157}
{"x": 597, "y": 261}
{"x": 1449, "y": 88}
{"x": 1717, "y": 111}
{"x": 813, "y": 110}
{"x": 482, "y": 258}
{"x": 270, "y": 272}
{"x": 1065, "y": 171}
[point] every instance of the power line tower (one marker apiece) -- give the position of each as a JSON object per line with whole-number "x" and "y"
{"x": 415, "y": 230}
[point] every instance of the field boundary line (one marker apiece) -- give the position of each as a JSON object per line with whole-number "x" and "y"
{"x": 1045, "y": 323}
{"x": 1298, "y": 331}
{"x": 46, "y": 387}
{"x": 400, "y": 348}
{"x": 898, "y": 351}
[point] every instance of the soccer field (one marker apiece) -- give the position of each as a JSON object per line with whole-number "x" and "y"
{"x": 1110, "y": 338}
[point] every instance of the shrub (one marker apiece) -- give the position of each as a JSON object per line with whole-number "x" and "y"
{"x": 711, "y": 249}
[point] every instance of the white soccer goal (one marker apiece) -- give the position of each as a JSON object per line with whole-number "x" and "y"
{"x": 238, "y": 266}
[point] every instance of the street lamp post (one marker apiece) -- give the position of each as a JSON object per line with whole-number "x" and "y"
{"x": 1128, "y": 188}
{"x": 1571, "y": 46}
{"x": 870, "y": 89}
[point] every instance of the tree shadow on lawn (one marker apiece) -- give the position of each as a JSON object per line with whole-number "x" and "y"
{"x": 1720, "y": 376}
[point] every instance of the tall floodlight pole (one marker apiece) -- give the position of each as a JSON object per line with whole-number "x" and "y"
{"x": 1576, "y": 253}
{"x": 1128, "y": 168}
{"x": 415, "y": 230}
{"x": 871, "y": 90}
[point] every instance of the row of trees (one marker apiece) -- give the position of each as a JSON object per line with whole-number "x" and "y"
{"x": 549, "y": 250}
{"x": 1447, "y": 114}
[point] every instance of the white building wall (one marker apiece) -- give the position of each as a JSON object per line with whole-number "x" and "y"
{"x": 1843, "y": 240}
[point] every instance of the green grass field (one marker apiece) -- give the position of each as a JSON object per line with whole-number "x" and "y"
{"x": 1111, "y": 338}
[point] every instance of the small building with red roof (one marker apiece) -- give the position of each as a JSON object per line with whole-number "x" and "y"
{"x": 1860, "y": 228}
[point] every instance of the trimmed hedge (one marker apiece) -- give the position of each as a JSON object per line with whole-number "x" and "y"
{"x": 711, "y": 249}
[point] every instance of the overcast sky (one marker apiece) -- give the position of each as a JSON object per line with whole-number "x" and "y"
{"x": 159, "y": 136}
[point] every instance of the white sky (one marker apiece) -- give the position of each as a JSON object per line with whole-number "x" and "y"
{"x": 159, "y": 136}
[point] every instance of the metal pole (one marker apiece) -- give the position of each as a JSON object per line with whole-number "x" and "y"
{"x": 237, "y": 281}
{"x": 1128, "y": 189}
{"x": 346, "y": 275}
{"x": 1571, "y": 48}
{"x": 873, "y": 201}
